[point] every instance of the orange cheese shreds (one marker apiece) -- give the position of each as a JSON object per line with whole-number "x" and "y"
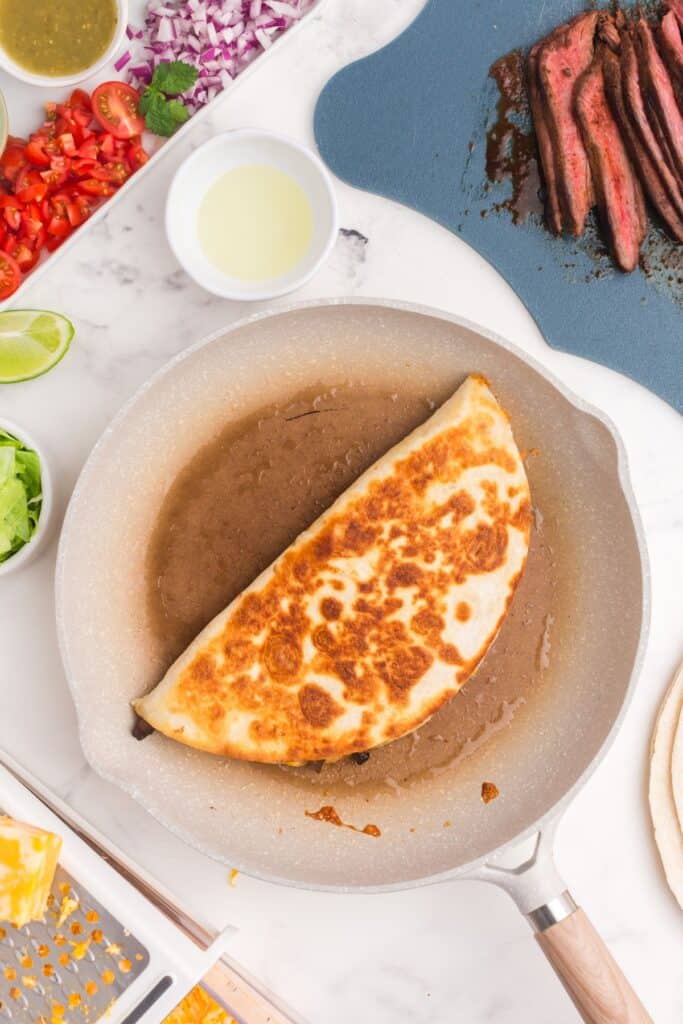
{"x": 28, "y": 860}
{"x": 199, "y": 1008}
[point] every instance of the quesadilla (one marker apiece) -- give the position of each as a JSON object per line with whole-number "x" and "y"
{"x": 377, "y": 614}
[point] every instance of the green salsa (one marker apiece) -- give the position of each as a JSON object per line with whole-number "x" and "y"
{"x": 56, "y": 37}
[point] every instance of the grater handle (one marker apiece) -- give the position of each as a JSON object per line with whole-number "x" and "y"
{"x": 242, "y": 998}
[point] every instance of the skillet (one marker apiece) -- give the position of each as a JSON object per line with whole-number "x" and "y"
{"x": 569, "y": 653}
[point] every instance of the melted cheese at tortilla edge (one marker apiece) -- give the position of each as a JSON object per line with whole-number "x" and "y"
{"x": 376, "y": 615}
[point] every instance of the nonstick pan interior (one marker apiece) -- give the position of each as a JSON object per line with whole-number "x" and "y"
{"x": 562, "y": 662}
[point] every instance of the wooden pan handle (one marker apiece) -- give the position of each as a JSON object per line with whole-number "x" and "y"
{"x": 241, "y": 998}
{"x": 589, "y": 973}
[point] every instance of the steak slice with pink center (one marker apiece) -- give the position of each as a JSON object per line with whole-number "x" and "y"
{"x": 618, "y": 192}
{"x": 562, "y": 59}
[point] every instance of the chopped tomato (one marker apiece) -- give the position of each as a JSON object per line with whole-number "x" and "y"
{"x": 80, "y": 98}
{"x": 52, "y": 183}
{"x": 24, "y": 256}
{"x": 27, "y": 176}
{"x": 67, "y": 144}
{"x": 32, "y": 193}
{"x": 35, "y": 151}
{"x": 113, "y": 172}
{"x": 115, "y": 106}
{"x": 136, "y": 155}
{"x": 107, "y": 145}
{"x": 11, "y": 211}
{"x": 10, "y": 275}
{"x": 90, "y": 149}
{"x": 31, "y": 221}
{"x": 53, "y": 242}
{"x": 93, "y": 187}
{"x": 13, "y": 159}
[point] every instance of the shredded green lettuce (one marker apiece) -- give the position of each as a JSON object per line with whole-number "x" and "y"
{"x": 20, "y": 494}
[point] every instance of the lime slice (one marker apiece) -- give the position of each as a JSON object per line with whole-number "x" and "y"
{"x": 32, "y": 341}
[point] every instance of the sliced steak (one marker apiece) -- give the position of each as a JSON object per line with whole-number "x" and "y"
{"x": 658, "y": 90}
{"x": 640, "y": 158}
{"x": 671, "y": 45}
{"x": 676, "y": 6}
{"x": 608, "y": 31}
{"x": 618, "y": 192}
{"x": 562, "y": 59}
{"x": 635, "y": 104}
{"x": 553, "y": 213}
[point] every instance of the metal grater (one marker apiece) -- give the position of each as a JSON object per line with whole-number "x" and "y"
{"x": 60, "y": 974}
{"x": 139, "y": 980}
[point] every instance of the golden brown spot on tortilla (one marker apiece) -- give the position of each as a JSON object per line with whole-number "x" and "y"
{"x": 322, "y": 639}
{"x": 407, "y": 574}
{"x": 331, "y": 608}
{"x": 282, "y": 656}
{"x": 201, "y": 668}
{"x": 450, "y": 654}
{"x": 485, "y": 547}
{"x": 463, "y": 611}
{"x": 426, "y": 621}
{"x": 489, "y": 792}
{"x": 317, "y": 706}
{"x": 402, "y": 668}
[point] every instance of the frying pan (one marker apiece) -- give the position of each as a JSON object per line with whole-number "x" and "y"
{"x": 434, "y": 825}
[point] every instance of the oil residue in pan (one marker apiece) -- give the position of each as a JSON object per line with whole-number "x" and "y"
{"x": 249, "y": 493}
{"x": 246, "y": 496}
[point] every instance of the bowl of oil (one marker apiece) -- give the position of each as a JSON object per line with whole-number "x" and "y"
{"x": 251, "y": 215}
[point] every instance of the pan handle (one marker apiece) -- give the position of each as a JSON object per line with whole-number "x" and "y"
{"x": 579, "y": 957}
{"x": 586, "y": 968}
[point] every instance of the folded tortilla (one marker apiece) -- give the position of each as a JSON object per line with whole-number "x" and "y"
{"x": 377, "y": 614}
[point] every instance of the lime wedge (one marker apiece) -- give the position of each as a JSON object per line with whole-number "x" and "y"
{"x": 32, "y": 341}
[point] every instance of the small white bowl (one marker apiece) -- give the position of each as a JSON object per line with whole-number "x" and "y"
{"x": 31, "y": 548}
{"x": 55, "y": 81}
{"x": 208, "y": 163}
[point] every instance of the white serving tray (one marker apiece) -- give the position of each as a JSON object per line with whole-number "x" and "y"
{"x": 25, "y": 111}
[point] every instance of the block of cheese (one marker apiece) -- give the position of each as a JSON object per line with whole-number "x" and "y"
{"x": 28, "y": 860}
{"x": 199, "y": 1008}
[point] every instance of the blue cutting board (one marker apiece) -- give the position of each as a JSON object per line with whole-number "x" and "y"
{"x": 400, "y": 122}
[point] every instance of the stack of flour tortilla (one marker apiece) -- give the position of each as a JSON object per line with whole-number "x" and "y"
{"x": 666, "y": 785}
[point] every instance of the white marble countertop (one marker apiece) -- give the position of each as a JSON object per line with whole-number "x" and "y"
{"x": 433, "y": 955}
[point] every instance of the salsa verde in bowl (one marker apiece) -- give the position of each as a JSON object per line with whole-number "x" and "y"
{"x": 59, "y": 42}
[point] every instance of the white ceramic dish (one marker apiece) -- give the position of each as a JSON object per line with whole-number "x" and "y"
{"x": 25, "y": 106}
{"x": 29, "y": 551}
{"x": 224, "y": 153}
{"x": 64, "y": 81}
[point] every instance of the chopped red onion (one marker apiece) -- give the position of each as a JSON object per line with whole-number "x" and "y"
{"x": 218, "y": 37}
{"x": 122, "y": 61}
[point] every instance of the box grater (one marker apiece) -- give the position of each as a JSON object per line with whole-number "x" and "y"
{"x": 112, "y": 945}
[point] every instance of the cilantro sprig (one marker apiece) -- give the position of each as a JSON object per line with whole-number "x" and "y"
{"x": 163, "y": 113}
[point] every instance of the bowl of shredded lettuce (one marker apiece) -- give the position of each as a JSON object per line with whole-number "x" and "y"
{"x": 25, "y": 497}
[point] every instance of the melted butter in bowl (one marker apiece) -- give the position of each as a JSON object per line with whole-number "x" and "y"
{"x": 271, "y": 223}
{"x": 251, "y": 215}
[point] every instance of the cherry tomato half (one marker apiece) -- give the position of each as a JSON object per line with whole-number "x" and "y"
{"x": 115, "y": 106}
{"x": 10, "y": 275}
